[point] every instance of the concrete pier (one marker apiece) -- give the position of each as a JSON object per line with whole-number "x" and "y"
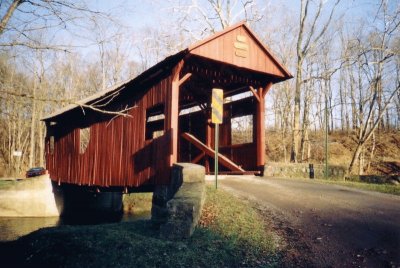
{"x": 31, "y": 197}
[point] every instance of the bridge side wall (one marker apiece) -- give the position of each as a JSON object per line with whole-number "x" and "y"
{"x": 118, "y": 152}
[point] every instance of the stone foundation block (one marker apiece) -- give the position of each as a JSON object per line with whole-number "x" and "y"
{"x": 177, "y": 207}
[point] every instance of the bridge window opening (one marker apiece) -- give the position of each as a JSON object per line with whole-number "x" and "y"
{"x": 158, "y": 133}
{"x": 242, "y": 129}
{"x": 237, "y": 97}
{"x": 51, "y": 144}
{"x": 154, "y": 122}
{"x": 84, "y": 138}
{"x": 190, "y": 110}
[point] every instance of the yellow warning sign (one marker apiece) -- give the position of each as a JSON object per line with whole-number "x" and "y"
{"x": 217, "y": 105}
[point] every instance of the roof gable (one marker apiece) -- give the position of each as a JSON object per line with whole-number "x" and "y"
{"x": 239, "y": 46}
{"x": 236, "y": 45}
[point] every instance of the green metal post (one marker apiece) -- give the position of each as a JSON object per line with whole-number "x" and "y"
{"x": 326, "y": 137}
{"x": 216, "y": 154}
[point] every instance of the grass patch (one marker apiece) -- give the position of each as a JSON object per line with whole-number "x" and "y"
{"x": 231, "y": 234}
{"x": 5, "y": 184}
{"x": 137, "y": 203}
{"x": 382, "y": 188}
{"x": 240, "y": 225}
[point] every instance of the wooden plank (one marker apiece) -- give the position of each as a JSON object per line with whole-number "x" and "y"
{"x": 241, "y": 46}
{"x": 198, "y": 158}
{"x": 255, "y": 93}
{"x": 226, "y": 162}
{"x": 242, "y": 54}
{"x": 172, "y": 115}
{"x": 184, "y": 78}
{"x": 260, "y": 127}
{"x": 241, "y": 38}
{"x": 107, "y": 161}
{"x": 266, "y": 89}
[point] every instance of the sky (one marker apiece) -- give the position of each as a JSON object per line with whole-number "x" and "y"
{"x": 134, "y": 15}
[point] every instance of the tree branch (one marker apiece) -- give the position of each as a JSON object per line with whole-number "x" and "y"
{"x": 10, "y": 11}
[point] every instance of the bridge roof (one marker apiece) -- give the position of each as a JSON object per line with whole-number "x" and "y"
{"x": 236, "y": 46}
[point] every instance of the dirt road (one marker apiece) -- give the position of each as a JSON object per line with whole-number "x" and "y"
{"x": 326, "y": 225}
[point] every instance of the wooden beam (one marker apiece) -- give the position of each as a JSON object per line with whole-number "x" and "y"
{"x": 196, "y": 99}
{"x": 266, "y": 89}
{"x": 176, "y": 70}
{"x": 198, "y": 158}
{"x": 202, "y": 106}
{"x": 223, "y": 160}
{"x": 184, "y": 78}
{"x": 172, "y": 113}
{"x": 260, "y": 127}
{"x": 255, "y": 93}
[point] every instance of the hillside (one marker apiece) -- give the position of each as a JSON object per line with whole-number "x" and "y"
{"x": 385, "y": 158}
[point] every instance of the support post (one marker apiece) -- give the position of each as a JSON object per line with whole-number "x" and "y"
{"x": 216, "y": 155}
{"x": 260, "y": 136}
{"x": 260, "y": 140}
{"x": 173, "y": 111}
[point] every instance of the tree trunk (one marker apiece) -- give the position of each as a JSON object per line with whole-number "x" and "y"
{"x": 342, "y": 101}
{"x": 354, "y": 117}
{"x": 372, "y": 154}
{"x": 32, "y": 129}
{"x": 330, "y": 105}
{"x": 41, "y": 140}
{"x": 361, "y": 162}
{"x": 296, "y": 115}
{"x": 356, "y": 155}
{"x": 304, "y": 133}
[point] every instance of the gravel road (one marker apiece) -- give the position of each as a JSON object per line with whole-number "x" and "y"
{"x": 325, "y": 225}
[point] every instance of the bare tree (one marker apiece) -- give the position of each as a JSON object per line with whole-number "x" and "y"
{"x": 201, "y": 18}
{"x": 306, "y": 42}
{"x": 14, "y": 115}
{"x": 23, "y": 19}
{"x": 376, "y": 66}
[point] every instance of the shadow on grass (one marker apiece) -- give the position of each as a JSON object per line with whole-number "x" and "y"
{"x": 232, "y": 234}
{"x": 115, "y": 245}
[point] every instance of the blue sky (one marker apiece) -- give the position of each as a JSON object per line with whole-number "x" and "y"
{"x": 135, "y": 15}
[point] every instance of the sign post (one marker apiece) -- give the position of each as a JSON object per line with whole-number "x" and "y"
{"x": 216, "y": 155}
{"x": 217, "y": 104}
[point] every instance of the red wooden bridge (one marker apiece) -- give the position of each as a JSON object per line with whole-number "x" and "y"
{"x": 168, "y": 117}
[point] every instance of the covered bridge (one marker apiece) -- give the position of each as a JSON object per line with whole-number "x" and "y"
{"x": 168, "y": 117}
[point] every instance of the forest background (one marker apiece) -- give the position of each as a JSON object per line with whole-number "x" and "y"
{"x": 344, "y": 56}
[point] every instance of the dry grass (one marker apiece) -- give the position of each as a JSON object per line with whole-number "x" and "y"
{"x": 340, "y": 149}
{"x": 137, "y": 203}
{"x": 241, "y": 225}
{"x": 382, "y": 188}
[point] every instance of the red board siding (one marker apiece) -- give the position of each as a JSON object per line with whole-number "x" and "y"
{"x": 117, "y": 153}
{"x": 243, "y": 155}
{"x": 223, "y": 49}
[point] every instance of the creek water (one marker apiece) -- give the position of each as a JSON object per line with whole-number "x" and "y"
{"x": 14, "y": 228}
